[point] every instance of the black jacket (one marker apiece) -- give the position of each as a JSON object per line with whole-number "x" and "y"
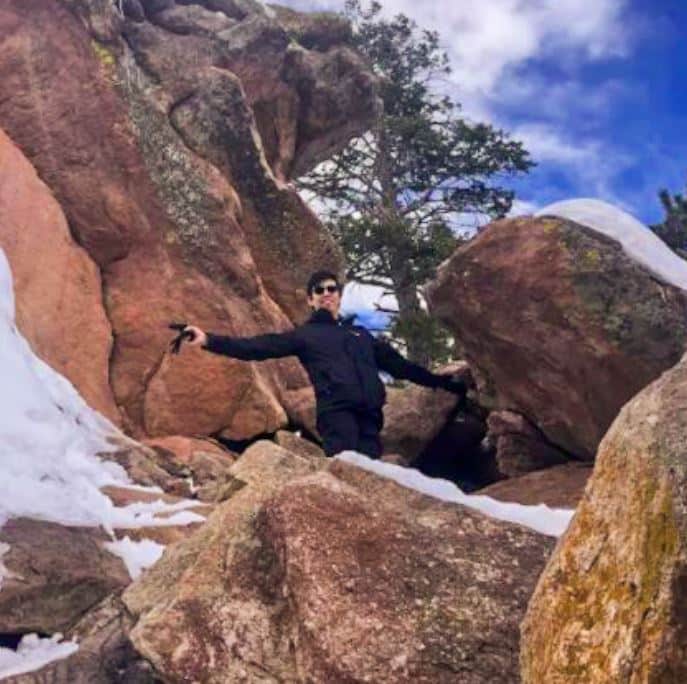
{"x": 343, "y": 360}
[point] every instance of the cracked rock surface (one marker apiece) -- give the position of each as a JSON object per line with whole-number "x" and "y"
{"x": 168, "y": 133}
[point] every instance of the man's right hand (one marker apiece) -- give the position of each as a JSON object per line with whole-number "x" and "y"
{"x": 199, "y": 337}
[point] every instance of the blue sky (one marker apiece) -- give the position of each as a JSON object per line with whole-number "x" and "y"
{"x": 595, "y": 89}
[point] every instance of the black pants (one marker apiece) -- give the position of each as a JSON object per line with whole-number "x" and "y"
{"x": 356, "y": 430}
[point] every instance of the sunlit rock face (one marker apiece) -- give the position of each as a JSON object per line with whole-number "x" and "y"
{"x": 59, "y": 307}
{"x": 168, "y": 133}
{"x": 610, "y": 605}
{"x": 559, "y": 324}
{"x": 314, "y": 570}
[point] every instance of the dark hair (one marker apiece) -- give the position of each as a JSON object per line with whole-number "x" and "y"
{"x": 319, "y": 276}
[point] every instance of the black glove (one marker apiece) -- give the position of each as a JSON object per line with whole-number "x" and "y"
{"x": 446, "y": 382}
{"x": 175, "y": 344}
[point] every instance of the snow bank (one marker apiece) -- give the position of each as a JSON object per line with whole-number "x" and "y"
{"x": 137, "y": 555}
{"x": 549, "y": 521}
{"x": 49, "y": 438}
{"x": 34, "y": 653}
{"x": 639, "y": 243}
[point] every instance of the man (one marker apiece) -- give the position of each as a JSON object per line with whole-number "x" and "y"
{"x": 343, "y": 362}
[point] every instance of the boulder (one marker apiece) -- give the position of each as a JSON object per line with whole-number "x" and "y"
{"x": 105, "y": 655}
{"x": 314, "y": 30}
{"x": 202, "y": 459}
{"x": 146, "y": 467}
{"x": 171, "y": 173}
{"x": 560, "y": 486}
{"x": 303, "y": 447}
{"x": 307, "y": 575}
{"x": 58, "y": 290}
{"x": 414, "y": 415}
{"x": 192, "y": 19}
{"x": 520, "y": 448}
{"x": 582, "y": 329}
{"x": 53, "y": 575}
{"x": 611, "y": 603}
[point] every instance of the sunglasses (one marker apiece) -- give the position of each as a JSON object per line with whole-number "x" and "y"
{"x": 320, "y": 289}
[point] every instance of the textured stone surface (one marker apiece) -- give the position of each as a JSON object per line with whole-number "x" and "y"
{"x": 311, "y": 576}
{"x": 105, "y": 655}
{"x": 520, "y": 448}
{"x": 202, "y": 459}
{"x": 58, "y": 296}
{"x": 292, "y": 442}
{"x": 187, "y": 215}
{"x": 611, "y": 605}
{"x": 559, "y": 324}
{"x": 54, "y": 575}
{"x": 560, "y": 486}
{"x": 414, "y": 415}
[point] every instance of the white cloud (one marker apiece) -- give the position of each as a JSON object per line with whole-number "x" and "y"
{"x": 485, "y": 38}
{"x": 589, "y": 163}
{"x": 493, "y": 45}
{"x": 523, "y": 208}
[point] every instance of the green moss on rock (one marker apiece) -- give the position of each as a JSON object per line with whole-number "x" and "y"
{"x": 637, "y": 312}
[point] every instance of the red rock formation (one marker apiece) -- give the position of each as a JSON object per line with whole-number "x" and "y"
{"x": 519, "y": 446}
{"x": 58, "y": 296}
{"x": 559, "y": 324}
{"x": 337, "y": 576}
{"x": 54, "y": 574}
{"x": 560, "y": 486}
{"x": 151, "y": 141}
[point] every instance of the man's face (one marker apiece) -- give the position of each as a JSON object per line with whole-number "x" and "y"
{"x": 326, "y": 295}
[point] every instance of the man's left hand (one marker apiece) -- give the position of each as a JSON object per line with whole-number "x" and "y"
{"x": 448, "y": 383}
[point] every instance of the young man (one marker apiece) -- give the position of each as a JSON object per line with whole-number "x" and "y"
{"x": 343, "y": 362}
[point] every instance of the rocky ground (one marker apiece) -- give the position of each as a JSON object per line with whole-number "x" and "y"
{"x": 147, "y": 151}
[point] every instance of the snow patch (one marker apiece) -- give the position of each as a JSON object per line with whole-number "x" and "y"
{"x": 34, "y": 653}
{"x": 49, "y": 441}
{"x": 137, "y": 555}
{"x": 639, "y": 243}
{"x": 550, "y": 521}
{"x": 4, "y": 572}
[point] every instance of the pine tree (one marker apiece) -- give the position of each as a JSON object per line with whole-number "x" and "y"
{"x": 673, "y": 230}
{"x": 397, "y": 197}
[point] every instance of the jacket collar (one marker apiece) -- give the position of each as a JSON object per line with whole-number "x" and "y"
{"x": 324, "y": 316}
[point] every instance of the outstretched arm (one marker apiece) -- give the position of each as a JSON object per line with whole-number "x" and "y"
{"x": 390, "y": 361}
{"x": 258, "y": 348}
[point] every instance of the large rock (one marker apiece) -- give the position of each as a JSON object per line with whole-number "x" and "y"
{"x": 559, "y": 324}
{"x": 105, "y": 655}
{"x": 519, "y": 447}
{"x": 611, "y": 605}
{"x": 560, "y": 486}
{"x": 414, "y": 415}
{"x": 171, "y": 172}
{"x": 57, "y": 286}
{"x": 53, "y": 575}
{"x": 336, "y": 576}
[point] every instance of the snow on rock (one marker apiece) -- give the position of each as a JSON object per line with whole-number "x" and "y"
{"x": 541, "y": 518}
{"x": 4, "y": 572}
{"x": 33, "y": 653}
{"x": 49, "y": 438}
{"x": 640, "y": 243}
{"x": 137, "y": 555}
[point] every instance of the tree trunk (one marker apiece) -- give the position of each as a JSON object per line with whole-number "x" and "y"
{"x": 409, "y": 311}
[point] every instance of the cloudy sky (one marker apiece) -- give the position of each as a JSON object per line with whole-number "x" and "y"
{"x": 593, "y": 87}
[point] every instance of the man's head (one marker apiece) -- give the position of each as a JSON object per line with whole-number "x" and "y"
{"x": 324, "y": 292}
